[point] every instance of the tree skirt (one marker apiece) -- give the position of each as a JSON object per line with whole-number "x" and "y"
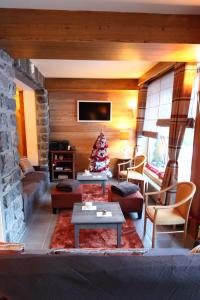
{"x": 63, "y": 236}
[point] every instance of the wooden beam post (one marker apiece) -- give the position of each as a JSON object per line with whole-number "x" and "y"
{"x": 53, "y": 84}
{"x": 27, "y": 33}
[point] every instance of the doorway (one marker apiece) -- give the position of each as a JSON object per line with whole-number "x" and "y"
{"x": 20, "y": 119}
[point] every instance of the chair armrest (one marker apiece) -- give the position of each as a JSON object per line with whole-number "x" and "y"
{"x": 146, "y": 201}
{"x": 135, "y": 167}
{"x": 161, "y": 191}
{"x": 174, "y": 205}
{"x": 158, "y": 193}
{"x": 125, "y": 163}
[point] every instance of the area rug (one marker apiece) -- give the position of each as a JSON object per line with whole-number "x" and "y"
{"x": 63, "y": 236}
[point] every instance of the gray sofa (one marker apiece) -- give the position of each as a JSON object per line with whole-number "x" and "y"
{"x": 156, "y": 276}
{"x": 34, "y": 185}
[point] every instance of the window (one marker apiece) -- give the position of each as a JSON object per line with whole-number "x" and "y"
{"x": 159, "y": 103}
{"x": 158, "y": 108}
{"x": 185, "y": 156}
{"x": 157, "y": 114}
{"x": 194, "y": 97}
{"x": 158, "y": 153}
{"x": 158, "y": 150}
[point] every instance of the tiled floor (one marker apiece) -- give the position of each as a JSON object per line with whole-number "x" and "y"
{"x": 40, "y": 226}
{"x": 42, "y": 223}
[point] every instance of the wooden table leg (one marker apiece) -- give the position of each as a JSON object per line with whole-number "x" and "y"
{"x": 54, "y": 210}
{"x": 119, "y": 233}
{"x": 142, "y": 187}
{"x": 103, "y": 187}
{"x": 76, "y": 236}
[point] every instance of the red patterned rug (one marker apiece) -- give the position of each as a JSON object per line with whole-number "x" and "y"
{"x": 63, "y": 236}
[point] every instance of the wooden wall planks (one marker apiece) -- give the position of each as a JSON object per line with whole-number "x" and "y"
{"x": 64, "y": 125}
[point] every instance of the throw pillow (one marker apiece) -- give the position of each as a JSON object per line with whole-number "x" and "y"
{"x": 26, "y": 165}
{"x": 69, "y": 185}
{"x": 124, "y": 188}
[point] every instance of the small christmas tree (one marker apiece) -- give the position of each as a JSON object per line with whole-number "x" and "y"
{"x": 99, "y": 159}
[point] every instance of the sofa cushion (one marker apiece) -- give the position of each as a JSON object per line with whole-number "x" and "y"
{"x": 29, "y": 189}
{"x": 34, "y": 185}
{"x": 26, "y": 165}
{"x": 97, "y": 277}
{"x": 29, "y": 195}
{"x": 35, "y": 177}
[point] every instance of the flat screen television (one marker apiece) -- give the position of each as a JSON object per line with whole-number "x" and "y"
{"x": 94, "y": 111}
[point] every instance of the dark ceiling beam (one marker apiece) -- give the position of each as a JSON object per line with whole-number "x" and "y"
{"x": 61, "y": 84}
{"x": 50, "y": 33}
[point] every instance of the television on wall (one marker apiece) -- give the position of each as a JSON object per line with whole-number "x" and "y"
{"x": 94, "y": 111}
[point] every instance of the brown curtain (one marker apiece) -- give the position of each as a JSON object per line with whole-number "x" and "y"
{"x": 142, "y": 97}
{"x": 184, "y": 75}
{"x": 195, "y": 208}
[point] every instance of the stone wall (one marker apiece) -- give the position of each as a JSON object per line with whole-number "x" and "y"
{"x": 42, "y": 110}
{"x": 12, "y": 203}
{"x": 29, "y": 74}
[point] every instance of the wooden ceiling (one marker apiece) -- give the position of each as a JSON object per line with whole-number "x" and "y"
{"x": 148, "y": 6}
{"x": 99, "y": 35}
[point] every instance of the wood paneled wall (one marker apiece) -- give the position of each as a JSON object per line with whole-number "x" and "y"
{"x": 64, "y": 125}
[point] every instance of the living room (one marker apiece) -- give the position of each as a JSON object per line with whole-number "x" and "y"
{"x": 46, "y": 78}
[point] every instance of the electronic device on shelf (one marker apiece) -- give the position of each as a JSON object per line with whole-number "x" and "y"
{"x": 58, "y": 145}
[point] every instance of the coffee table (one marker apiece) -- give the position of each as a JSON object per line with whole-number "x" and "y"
{"x": 86, "y": 219}
{"x": 93, "y": 178}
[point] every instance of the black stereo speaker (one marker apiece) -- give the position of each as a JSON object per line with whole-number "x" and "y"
{"x": 58, "y": 145}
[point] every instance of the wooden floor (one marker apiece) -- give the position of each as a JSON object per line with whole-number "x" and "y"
{"x": 42, "y": 223}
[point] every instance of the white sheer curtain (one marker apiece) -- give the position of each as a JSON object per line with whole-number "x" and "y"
{"x": 159, "y": 102}
{"x": 186, "y": 152}
{"x": 194, "y": 96}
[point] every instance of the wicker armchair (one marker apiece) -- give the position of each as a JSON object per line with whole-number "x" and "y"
{"x": 176, "y": 214}
{"x": 133, "y": 173}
